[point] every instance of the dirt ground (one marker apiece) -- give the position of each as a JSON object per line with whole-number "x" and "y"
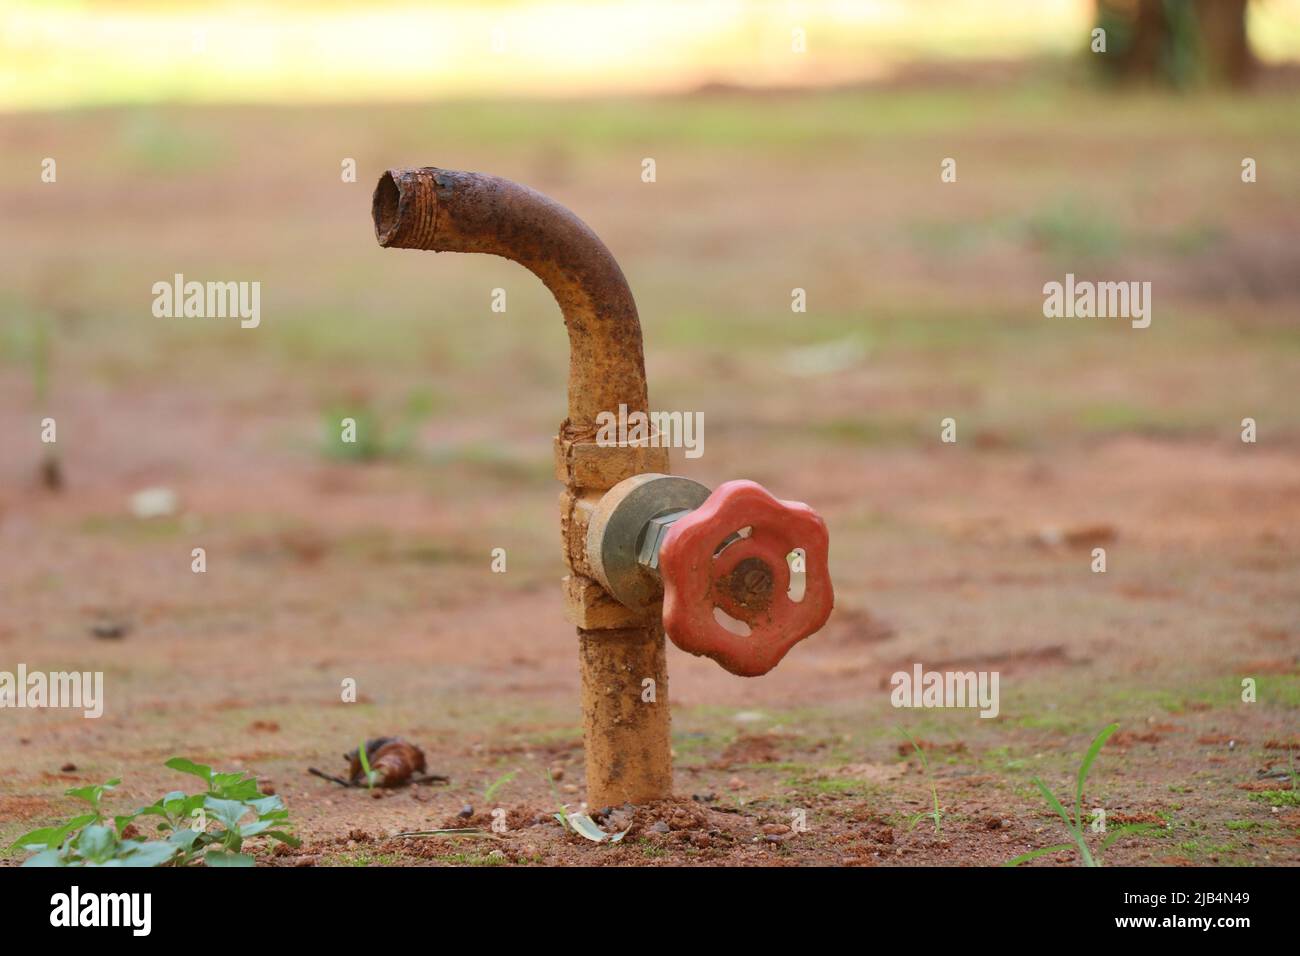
{"x": 924, "y": 302}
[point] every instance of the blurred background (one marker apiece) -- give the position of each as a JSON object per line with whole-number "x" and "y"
{"x": 796, "y": 145}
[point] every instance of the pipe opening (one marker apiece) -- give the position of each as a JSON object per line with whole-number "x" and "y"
{"x": 387, "y": 200}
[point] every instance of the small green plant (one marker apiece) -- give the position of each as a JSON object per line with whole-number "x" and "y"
{"x": 937, "y": 814}
{"x": 563, "y": 813}
{"x": 182, "y": 826}
{"x": 1077, "y": 824}
{"x": 497, "y": 784}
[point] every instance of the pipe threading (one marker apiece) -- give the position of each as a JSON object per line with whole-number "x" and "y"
{"x": 414, "y": 226}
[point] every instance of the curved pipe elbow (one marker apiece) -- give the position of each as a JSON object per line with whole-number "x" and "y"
{"x": 448, "y": 211}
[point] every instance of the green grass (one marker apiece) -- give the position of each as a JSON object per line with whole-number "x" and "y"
{"x": 472, "y": 859}
{"x": 650, "y": 851}
{"x": 364, "y": 858}
{"x": 1278, "y": 798}
{"x": 937, "y": 814}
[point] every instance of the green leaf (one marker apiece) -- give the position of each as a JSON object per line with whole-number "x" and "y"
{"x": 154, "y": 853}
{"x": 91, "y": 794}
{"x": 177, "y": 805}
{"x": 1035, "y": 854}
{"x": 97, "y": 843}
{"x": 52, "y": 836}
{"x": 185, "y": 838}
{"x": 284, "y": 837}
{"x": 1095, "y": 749}
{"x": 46, "y": 858}
{"x": 234, "y": 786}
{"x": 228, "y": 812}
{"x": 264, "y": 806}
{"x": 1054, "y": 803}
{"x": 189, "y": 766}
{"x": 1124, "y": 830}
{"x": 254, "y": 828}
{"x": 221, "y": 858}
{"x": 40, "y": 839}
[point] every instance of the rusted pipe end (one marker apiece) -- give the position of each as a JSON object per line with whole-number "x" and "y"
{"x": 446, "y": 210}
{"x": 405, "y": 209}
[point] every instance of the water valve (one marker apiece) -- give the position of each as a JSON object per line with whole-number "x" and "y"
{"x": 717, "y": 562}
{"x": 723, "y": 564}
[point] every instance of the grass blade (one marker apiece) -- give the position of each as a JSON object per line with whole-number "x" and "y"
{"x": 925, "y": 766}
{"x": 1035, "y": 854}
{"x": 1095, "y": 749}
{"x": 1118, "y": 832}
{"x": 1061, "y": 812}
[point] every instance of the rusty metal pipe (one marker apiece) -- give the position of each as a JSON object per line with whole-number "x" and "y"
{"x": 625, "y": 718}
{"x": 448, "y": 211}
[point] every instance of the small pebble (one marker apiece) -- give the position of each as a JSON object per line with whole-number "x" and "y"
{"x": 466, "y": 812}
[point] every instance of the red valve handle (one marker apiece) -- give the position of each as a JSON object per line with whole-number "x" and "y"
{"x": 748, "y": 579}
